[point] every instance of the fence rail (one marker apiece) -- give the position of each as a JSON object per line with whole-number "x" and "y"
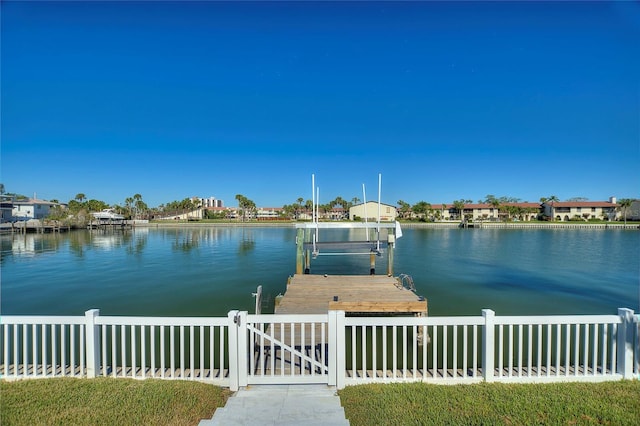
{"x": 243, "y": 349}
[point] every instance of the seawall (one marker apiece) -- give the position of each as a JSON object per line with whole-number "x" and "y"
{"x": 409, "y": 225}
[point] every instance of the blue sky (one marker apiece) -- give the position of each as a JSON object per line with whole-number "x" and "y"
{"x": 445, "y": 100}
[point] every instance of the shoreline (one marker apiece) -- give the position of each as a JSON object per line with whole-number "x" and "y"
{"x": 7, "y": 230}
{"x": 410, "y": 225}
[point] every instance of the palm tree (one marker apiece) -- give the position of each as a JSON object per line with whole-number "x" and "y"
{"x": 624, "y": 204}
{"x": 495, "y": 203}
{"x": 421, "y": 208}
{"x": 459, "y": 206}
{"x": 141, "y": 207}
{"x": 517, "y": 211}
{"x": 241, "y": 199}
{"x": 245, "y": 205}
{"x": 128, "y": 202}
{"x": 298, "y": 206}
{"x": 404, "y": 209}
{"x": 80, "y": 197}
{"x": 339, "y": 201}
{"x": 137, "y": 198}
{"x": 551, "y": 200}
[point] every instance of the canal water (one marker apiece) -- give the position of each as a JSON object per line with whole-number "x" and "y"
{"x": 207, "y": 271}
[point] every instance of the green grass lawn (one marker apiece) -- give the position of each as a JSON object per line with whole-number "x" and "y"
{"x": 610, "y": 403}
{"x": 107, "y": 401}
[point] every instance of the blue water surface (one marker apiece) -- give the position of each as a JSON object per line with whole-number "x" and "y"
{"x": 207, "y": 271}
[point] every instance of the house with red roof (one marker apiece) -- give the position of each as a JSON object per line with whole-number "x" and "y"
{"x": 487, "y": 211}
{"x": 585, "y": 210}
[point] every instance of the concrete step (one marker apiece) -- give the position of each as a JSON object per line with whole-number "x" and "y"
{"x": 281, "y": 405}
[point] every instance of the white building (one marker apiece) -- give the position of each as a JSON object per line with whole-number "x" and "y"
{"x": 388, "y": 213}
{"x": 32, "y": 209}
{"x": 210, "y": 202}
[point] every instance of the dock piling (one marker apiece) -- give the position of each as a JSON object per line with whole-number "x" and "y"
{"x": 372, "y": 263}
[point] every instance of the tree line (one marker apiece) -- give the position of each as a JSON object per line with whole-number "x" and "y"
{"x": 135, "y": 208}
{"x": 300, "y": 206}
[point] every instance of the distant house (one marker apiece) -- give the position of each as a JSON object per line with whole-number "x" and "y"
{"x": 6, "y": 208}
{"x": 633, "y": 213}
{"x": 269, "y": 213}
{"x": 388, "y": 213}
{"x": 486, "y": 211}
{"x": 336, "y": 213}
{"x": 567, "y": 210}
{"x": 32, "y": 208}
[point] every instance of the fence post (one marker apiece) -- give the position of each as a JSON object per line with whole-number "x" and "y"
{"x": 625, "y": 343}
{"x": 232, "y": 317}
{"x": 636, "y": 327}
{"x": 92, "y": 342}
{"x": 331, "y": 345}
{"x": 243, "y": 349}
{"x": 488, "y": 345}
{"x": 337, "y": 350}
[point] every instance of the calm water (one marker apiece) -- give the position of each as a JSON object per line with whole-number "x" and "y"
{"x": 209, "y": 271}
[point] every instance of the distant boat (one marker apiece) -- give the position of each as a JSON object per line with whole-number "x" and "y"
{"x": 107, "y": 214}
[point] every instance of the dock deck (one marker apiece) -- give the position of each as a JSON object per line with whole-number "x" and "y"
{"x": 317, "y": 294}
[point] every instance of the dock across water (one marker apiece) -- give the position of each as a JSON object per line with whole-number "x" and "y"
{"x": 317, "y": 294}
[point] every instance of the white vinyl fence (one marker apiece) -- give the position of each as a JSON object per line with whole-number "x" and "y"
{"x": 131, "y": 347}
{"x": 243, "y": 349}
{"x": 490, "y": 348}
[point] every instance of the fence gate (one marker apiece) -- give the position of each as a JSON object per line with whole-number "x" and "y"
{"x": 285, "y": 349}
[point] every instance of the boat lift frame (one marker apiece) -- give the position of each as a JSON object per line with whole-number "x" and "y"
{"x": 308, "y": 243}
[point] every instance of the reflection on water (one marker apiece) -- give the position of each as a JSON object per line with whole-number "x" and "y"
{"x": 523, "y": 271}
{"x": 210, "y": 270}
{"x": 247, "y": 242}
{"x": 186, "y": 240}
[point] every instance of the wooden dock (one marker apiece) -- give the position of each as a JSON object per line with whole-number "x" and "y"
{"x": 372, "y": 294}
{"x": 33, "y": 226}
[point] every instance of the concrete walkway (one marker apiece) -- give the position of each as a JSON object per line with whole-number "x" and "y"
{"x": 281, "y": 405}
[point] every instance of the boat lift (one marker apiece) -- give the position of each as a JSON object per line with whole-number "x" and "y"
{"x": 309, "y": 245}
